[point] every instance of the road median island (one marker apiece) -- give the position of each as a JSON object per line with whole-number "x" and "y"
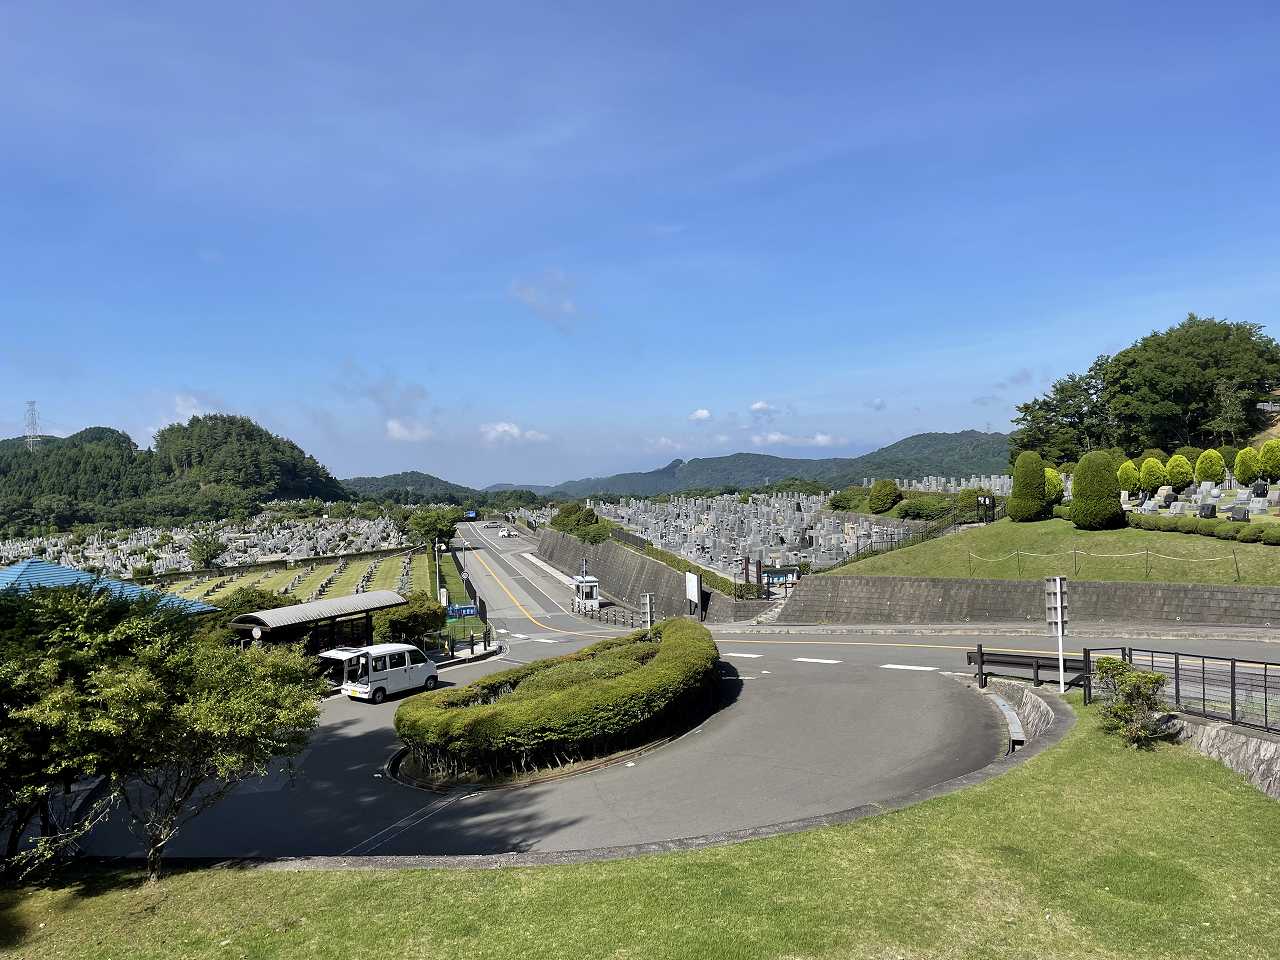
{"x": 612, "y": 696}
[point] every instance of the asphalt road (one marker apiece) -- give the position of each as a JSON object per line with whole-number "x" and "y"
{"x": 810, "y": 725}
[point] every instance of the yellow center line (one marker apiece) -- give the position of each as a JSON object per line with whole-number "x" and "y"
{"x": 520, "y": 606}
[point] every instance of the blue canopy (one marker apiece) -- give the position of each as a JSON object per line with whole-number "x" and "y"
{"x": 25, "y": 574}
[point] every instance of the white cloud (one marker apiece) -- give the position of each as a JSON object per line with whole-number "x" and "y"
{"x": 549, "y": 295}
{"x": 665, "y": 443}
{"x": 504, "y": 431}
{"x": 877, "y": 404}
{"x": 407, "y": 430}
{"x": 775, "y": 439}
{"x": 761, "y": 406}
{"x": 702, "y": 413}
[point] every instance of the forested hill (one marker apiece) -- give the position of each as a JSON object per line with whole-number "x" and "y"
{"x": 946, "y": 454}
{"x": 412, "y": 486}
{"x": 210, "y": 468}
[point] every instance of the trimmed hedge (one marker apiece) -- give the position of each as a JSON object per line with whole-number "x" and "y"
{"x": 1152, "y": 475}
{"x": 1027, "y": 501}
{"x": 1222, "y": 529}
{"x": 1128, "y": 477}
{"x": 1095, "y": 493}
{"x": 1053, "y": 486}
{"x": 884, "y": 496}
{"x": 1210, "y": 467}
{"x": 1062, "y": 511}
{"x": 1180, "y": 472}
{"x": 1248, "y": 466}
{"x": 613, "y": 695}
{"x": 1270, "y": 456}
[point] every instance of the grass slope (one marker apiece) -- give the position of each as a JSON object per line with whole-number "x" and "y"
{"x": 1095, "y": 859}
{"x": 949, "y": 556}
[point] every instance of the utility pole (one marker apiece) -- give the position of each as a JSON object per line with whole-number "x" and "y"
{"x": 33, "y": 425}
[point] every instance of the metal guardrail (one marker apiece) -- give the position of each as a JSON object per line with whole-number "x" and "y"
{"x": 1244, "y": 692}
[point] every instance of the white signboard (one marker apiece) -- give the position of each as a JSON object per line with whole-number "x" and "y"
{"x": 693, "y": 587}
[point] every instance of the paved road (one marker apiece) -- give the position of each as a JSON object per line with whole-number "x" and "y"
{"x": 812, "y": 725}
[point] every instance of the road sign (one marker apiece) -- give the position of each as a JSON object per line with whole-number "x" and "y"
{"x": 1055, "y": 613}
{"x": 462, "y": 610}
{"x": 646, "y": 609}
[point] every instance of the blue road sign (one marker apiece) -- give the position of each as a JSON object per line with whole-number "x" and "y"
{"x": 462, "y": 610}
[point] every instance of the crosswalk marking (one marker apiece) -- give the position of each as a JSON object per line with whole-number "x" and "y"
{"x": 749, "y": 656}
{"x": 814, "y": 660}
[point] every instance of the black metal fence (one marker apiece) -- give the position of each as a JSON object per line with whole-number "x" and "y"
{"x": 1246, "y": 692}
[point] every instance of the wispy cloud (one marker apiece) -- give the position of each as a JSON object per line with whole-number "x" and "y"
{"x": 504, "y": 431}
{"x": 876, "y": 405}
{"x": 776, "y": 439}
{"x": 702, "y": 413}
{"x": 665, "y": 443}
{"x": 411, "y": 431}
{"x": 551, "y": 296}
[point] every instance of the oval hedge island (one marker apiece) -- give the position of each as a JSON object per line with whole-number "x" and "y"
{"x": 614, "y": 695}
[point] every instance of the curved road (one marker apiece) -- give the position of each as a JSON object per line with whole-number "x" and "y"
{"x": 811, "y": 726}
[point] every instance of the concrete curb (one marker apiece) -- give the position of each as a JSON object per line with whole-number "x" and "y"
{"x": 1064, "y": 719}
{"x": 1015, "y": 629}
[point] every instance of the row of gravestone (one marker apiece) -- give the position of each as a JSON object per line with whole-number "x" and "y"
{"x": 1206, "y": 501}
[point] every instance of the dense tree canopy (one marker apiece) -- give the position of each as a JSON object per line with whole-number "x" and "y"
{"x": 210, "y": 468}
{"x": 1197, "y": 383}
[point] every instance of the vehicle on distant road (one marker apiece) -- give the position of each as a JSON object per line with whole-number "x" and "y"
{"x": 373, "y": 673}
{"x": 491, "y": 525}
{"x": 504, "y": 532}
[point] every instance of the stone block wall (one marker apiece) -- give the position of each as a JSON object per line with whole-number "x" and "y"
{"x": 1035, "y": 715}
{"x": 1253, "y": 753}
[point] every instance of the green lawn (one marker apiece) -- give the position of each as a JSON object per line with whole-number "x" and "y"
{"x": 309, "y": 584}
{"x": 387, "y": 576}
{"x": 422, "y": 573}
{"x": 1091, "y": 850}
{"x": 277, "y": 579}
{"x": 451, "y": 579}
{"x": 235, "y": 584}
{"x": 950, "y": 556}
{"x": 345, "y": 585}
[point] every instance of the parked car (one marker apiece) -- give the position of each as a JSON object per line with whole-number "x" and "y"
{"x": 491, "y": 525}
{"x": 375, "y": 672}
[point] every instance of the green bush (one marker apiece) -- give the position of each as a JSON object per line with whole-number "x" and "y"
{"x": 1228, "y": 454}
{"x": 1228, "y": 530}
{"x": 1210, "y": 467}
{"x": 883, "y": 497}
{"x": 1095, "y": 493}
{"x": 1131, "y": 701}
{"x": 1179, "y": 471}
{"x": 1252, "y": 533}
{"x": 1152, "y": 475}
{"x": 1248, "y": 466}
{"x": 1207, "y": 527}
{"x": 1027, "y": 501}
{"x": 600, "y": 700}
{"x": 1188, "y": 524}
{"x": 929, "y": 507}
{"x": 1062, "y": 511}
{"x": 1190, "y": 454}
{"x": 1128, "y": 477}
{"x": 1053, "y": 488}
{"x": 1271, "y": 535}
{"x": 1270, "y": 455}
{"x": 1067, "y": 469}
{"x": 414, "y": 621}
{"x": 1153, "y": 453}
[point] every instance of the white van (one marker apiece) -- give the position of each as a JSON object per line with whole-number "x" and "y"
{"x": 372, "y": 673}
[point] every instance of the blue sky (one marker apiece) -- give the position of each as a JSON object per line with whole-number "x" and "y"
{"x": 532, "y": 242}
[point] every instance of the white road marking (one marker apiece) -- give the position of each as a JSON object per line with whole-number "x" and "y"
{"x": 749, "y": 656}
{"x": 500, "y": 630}
{"x": 814, "y": 660}
{"x": 903, "y": 666}
{"x": 519, "y": 636}
{"x": 544, "y": 639}
{"x": 766, "y": 671}
{"x": 420, "y": 815}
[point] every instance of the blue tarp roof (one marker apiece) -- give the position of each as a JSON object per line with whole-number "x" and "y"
{"x": 25, "y": 574}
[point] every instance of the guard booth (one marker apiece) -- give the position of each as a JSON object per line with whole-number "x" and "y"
{"x": 586, "y": 592}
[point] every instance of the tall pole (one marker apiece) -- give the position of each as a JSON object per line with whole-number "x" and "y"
{"x": 435, "y": 562}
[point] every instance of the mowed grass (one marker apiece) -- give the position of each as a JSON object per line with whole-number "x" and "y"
{"x": 1091, "y": 850}
{"x": 345, "y": 585}
{"x": 244, "y": 580}
{"x": 278, "y": 579}
{"x": 313, "y": 580}
{"x": 387, "y": 576}
{"x": 451, "y": 579}
{"x": 422, "y": 573}
{"x": 950, "y": 556}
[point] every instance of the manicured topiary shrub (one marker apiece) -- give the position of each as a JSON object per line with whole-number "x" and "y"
{"x": 1062, "y": 511}
{"x": 1128, "y": 477}
{"x": 1252, "y": 533}
{"x": 1192, "y": 454}
{"x": 1153, "y": 453}
{"x": 618, "y": 693}
{"x": 1228, "y": 530}
{"x": 1271, "y": 535}
{"x": 1270, "y": 456}
{"x": 1095, "y": 493}
{"x": 1248, "y": 465}
{"x": 1207, "y": 527}
{"x": 1188, "y": 524}
{"x": 1210, "y": 467}
{"x": 1053, "y": 489}
{"x": 883, "y": 496}
{"x": 1152, "y": 475}
{"x": 1027, "y": 500}
{"x": 1179, "y": 471}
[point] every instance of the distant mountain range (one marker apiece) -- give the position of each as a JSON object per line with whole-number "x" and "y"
{"x": 945, "y": 454}
{"x": 412, "y": 486}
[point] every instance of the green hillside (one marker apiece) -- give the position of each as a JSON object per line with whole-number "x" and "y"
{"x": 209, "y": 468}
{"x": 1029, "y": 551}
{"x": 410, "y": 486}
{"x": 947, "y": 454}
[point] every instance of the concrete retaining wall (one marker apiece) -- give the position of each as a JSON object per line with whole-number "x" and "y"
{"x": 1035, "y": 715}
{"x": 837, "y": 599}
{"x": 1253, "y": 753}
{"x": 625, "y": 575}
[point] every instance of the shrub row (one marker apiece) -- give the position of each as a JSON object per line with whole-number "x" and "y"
{"x": 710, "y": 579}
{"x": 1222, "y": 529}
{"x": 616, "y": 694}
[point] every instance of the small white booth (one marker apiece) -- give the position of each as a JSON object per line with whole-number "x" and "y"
{"x": 586, "y": 593}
